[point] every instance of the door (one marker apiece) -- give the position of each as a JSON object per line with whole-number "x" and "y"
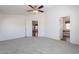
{"x": 35, "y": 28}
{"x": 65, "y": 28}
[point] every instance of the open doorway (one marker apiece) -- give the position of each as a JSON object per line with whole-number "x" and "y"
{"x": 65, "y": 28}
{"x": 35, "y": 28}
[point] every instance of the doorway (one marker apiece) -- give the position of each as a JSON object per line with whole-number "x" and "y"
{"x": 34, "y": 28}
{"x": 65, "y": 28}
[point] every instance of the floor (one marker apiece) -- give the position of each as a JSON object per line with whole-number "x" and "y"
{"x": 66, "y": 39}
{"x": 35, "y": 45}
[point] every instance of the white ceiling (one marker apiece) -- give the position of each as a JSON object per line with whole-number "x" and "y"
{"x": 22, "y": 9}
{"x": 13, "y": 9}
{"x": 16, "y": 9}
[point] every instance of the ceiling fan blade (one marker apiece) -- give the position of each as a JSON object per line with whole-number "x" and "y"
{"x": 31, "y": 6}
{"x": 40, "y": 7}
{"x": 40, "y": 11}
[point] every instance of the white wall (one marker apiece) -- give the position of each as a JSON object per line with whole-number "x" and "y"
{"x": 53, "y": 26}
{"x": 0, "y": 27}
{"x": 13, "y": 26}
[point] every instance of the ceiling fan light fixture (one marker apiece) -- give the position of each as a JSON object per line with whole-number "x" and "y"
{"x": 35, "y": 11}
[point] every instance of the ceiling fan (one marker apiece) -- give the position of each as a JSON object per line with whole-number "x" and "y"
{"x": 36, "y": 8}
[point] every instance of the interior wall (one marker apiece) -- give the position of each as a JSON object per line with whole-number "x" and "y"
{"x": 13, "y": 26}
{"x": 52, "y": 25}
{"x": 0, "y": 26}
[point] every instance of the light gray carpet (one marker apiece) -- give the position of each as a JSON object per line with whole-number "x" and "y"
{"x": 40, "y": 45}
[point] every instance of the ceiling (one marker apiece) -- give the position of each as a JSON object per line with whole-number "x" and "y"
{"x": 22, "y": 9}
{"x": 16, "y": 9}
